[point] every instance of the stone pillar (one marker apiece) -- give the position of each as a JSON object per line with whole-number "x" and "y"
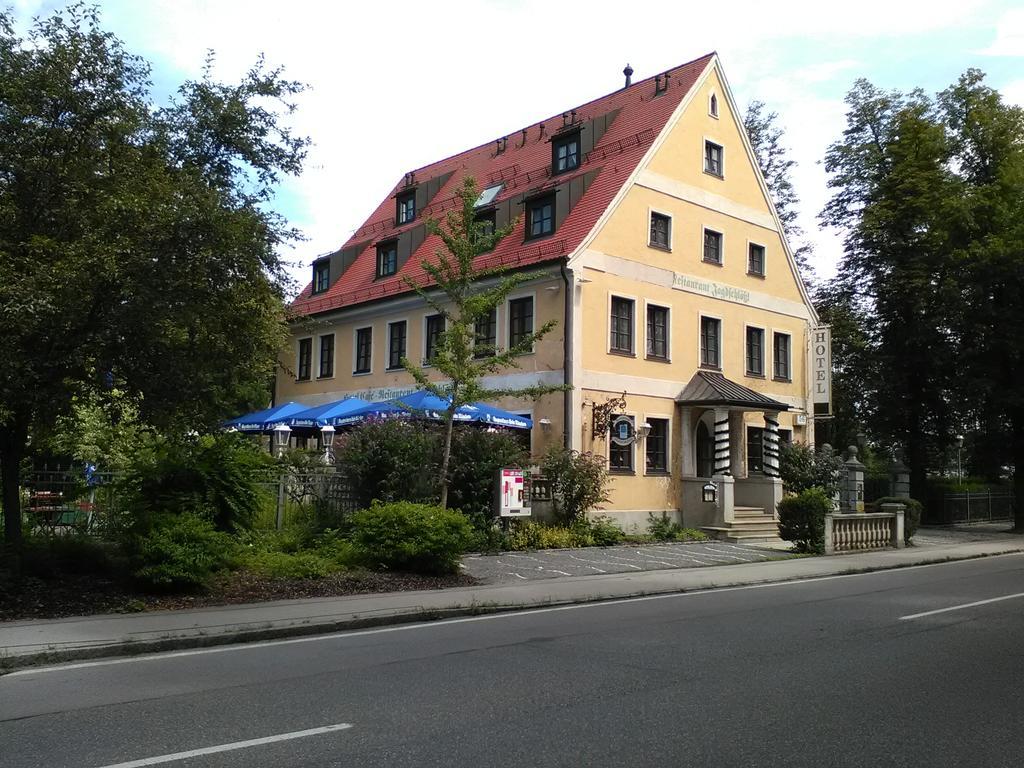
{"x": 853, "y": 487}
{"x": 898, "y": 528}
{"x": 723, "y": 451}
{"x": 689, "y": 458}
{"x": 726, "y": 497}
{"x": 737, "y": 439}
{"x": 830, "y": 545}
{"x": 899, "y": 476}
{"x": 770, "y": 444}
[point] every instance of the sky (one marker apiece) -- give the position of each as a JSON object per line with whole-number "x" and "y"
{"x": 397, "y": 85}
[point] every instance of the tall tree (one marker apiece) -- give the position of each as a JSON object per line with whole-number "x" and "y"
{"x": 465, "y": 295}
{"x": 893, "y": 196}
{"x": 987, "y": 138}
{"x": 137, "y": 250}
{"x": 768, "y": 140}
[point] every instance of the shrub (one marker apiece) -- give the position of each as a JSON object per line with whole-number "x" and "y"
{"x": 477, "y": 455}
{"x": 911, "y": 518}
{"x": 801, "y": 467}
{"x": 663, "y": 529}
{"x": 49, "y": 556}
{"x": 408, "y": 536}
{"x": 214, "y": 476}
{"x": 284, "y": 565}
{"x": 579, "y": 482}
{"x": 181, "y": 552}
{"x": 802, "y": 519}
{"x": 605, "y": 532}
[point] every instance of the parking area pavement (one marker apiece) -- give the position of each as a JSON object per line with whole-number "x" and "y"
{"x": 554, "y": 563}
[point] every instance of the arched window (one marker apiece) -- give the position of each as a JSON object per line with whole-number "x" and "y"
{"x": 713, "y": 106}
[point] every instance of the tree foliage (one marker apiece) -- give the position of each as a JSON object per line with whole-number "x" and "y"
{"x": 137, "y": 251}
{"x": 929, "y": 195}
{"x": 464, "y": 293}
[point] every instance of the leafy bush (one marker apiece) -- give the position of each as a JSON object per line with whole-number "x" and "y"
{"x": 579, "y": 482}
{"x": 605, "y": 531}
{"x": 284, "y": 565}
{"x": 413, "y": 537}
{"x": 802, "y": 519}
{"x": 801, "y": 467}
{"x": 213, "y": 475}
{"x": 663, "y": 529}
{"x": 49, "y": 556}
{"x": 911, "y": 518}
{"x": 397, "y": 460}
{"x": 181, "y": 551}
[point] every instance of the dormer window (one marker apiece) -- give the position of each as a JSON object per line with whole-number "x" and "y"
{"x": 321, "y": 275}
{"x": 565, "y": 152}
{"x": 713, "y": 105}
{"x": 406, "y": 210}
{"x": 540, "y": 217}
{"x": 487, "y": 221}
{"x": 387, "y": 258}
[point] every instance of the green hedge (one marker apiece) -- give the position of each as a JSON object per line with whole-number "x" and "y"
{"x": 802, "y": 519}
{"x": 181, "y": 552}
{"x": 406, "y": 536}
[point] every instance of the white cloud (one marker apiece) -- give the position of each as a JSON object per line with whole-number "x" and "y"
{"x": 1009, "y": 40}
{"x": 401, "y": 84}
{"x": 1013, "y": 92}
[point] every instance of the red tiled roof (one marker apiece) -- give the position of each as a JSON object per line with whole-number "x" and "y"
{"x": 526, "y": 168}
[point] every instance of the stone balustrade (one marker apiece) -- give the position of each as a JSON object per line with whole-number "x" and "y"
{"x": 858, "y": 532}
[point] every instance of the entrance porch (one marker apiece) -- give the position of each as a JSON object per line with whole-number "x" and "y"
{"x": 736, "y": 456}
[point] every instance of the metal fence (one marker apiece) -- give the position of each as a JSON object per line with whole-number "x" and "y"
{"x": 325, "y": 498}
{"x": 975, "y": 507}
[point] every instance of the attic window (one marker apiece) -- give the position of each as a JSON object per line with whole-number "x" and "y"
{"x": 387, "y": 258}
{"x": 488, "y": 195}
{"x": 321, "y": 275}
{"x": 565, "y": 153}
{"x": 540, "y": 217}
{"x": 406, "y": 208}
{"x": 713, "y": 105}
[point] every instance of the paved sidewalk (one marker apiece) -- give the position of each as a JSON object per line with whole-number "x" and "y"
{"x": 32, "y": 642}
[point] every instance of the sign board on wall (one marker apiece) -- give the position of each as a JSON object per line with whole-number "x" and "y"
{"x": 512, "y": 497}
{"x": 821, "y": 370}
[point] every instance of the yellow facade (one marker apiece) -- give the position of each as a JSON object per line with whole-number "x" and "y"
{"x": 617, "y": 260}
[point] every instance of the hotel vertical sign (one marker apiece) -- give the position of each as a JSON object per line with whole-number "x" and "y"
{"x": 821, "y": 370}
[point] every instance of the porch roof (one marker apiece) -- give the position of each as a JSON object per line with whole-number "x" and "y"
{"x": 710, "y": 388}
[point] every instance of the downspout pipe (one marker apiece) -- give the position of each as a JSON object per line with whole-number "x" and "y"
{"x": 567, "y": 363}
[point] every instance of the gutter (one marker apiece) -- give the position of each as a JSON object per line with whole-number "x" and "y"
{"x": 567, "y": 367}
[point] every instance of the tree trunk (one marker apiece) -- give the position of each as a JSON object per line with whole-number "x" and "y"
{"x": 1017, "y": 425}
{"x": 450, "y": 418}
{"x": 12, "y": 447}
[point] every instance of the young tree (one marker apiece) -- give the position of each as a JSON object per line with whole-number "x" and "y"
{"x": 465, "y": 294}
{"x": 136, "y": 248}
{"x": 767, "y": 138}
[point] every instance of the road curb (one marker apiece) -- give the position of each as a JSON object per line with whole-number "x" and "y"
{"x": 303, "y": 629}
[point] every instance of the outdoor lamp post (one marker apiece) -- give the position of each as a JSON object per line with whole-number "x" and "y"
{"x": 959, "y": 467}
{"x": 282, "y": 433}
{"x": 327, "y": 439}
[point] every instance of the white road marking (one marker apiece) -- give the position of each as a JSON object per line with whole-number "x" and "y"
{"x": 230, "y": 747}
{"x": 468, "y": 619}
{"x": 518, "y": 576}
{"x": 961, "y": 607}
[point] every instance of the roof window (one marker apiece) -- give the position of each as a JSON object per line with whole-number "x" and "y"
{"x": 488, "y": 195}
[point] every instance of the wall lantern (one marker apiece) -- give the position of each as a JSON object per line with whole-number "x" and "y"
{"x": 643, "y": 431}
{"x": 709, "y": 492}
{"x": 282, "y": 433}
{"x": 545, "y": 424}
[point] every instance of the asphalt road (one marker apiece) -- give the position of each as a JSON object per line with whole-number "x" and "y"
{"x": 832, "y": 672}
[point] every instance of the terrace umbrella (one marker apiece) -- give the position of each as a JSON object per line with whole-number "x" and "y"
{"x": 423, "y": 404}
{"x": 323, "y": 415}
{"x": 264, "y": 421}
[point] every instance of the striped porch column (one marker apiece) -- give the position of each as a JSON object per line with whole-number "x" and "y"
{"x": 770, "y": 444}
{"x": 723, "y": 453}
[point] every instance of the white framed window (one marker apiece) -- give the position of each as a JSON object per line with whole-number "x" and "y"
{"x": 782, "y": 350}
{"x": 362, "y": 351}
{"x": 658, "y": 444}
{"x": 433, "y": 326}
{"x": 304, "y": 359}
{"x": 755, "y": 259}
{"x": 520, "y": 318}
{"x": 713, "y": 247}
{"x": 754, "y": 351}
{"x": 713, "y": 105}
{"x": 621, "y": 443}
{"x": 398, "y": 343}
{"x": 658, "y": 339}
{"x": 660, "y": 230}
{"x": 710, "y": 342}
{"x": 621, "y": 324}
{"x": 325, "y": 363}
{"x": 714, "y": 158}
